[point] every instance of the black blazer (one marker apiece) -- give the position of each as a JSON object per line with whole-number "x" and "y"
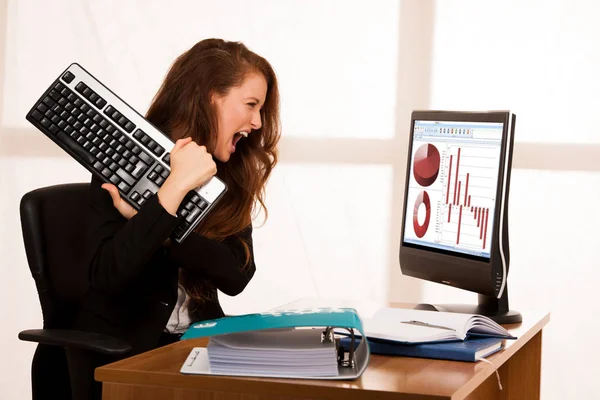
{"x": 133, "y": 275}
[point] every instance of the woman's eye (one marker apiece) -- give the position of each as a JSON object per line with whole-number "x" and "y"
{"x": 252, "y": 105}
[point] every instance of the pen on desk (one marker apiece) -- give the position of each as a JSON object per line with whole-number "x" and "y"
{"x": 421, "y": 323}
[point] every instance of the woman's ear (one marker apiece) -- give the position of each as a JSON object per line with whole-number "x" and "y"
{"x": 214, "y": 98}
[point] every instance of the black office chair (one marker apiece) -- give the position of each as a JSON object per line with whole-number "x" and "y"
{"x": 53, "y": 220}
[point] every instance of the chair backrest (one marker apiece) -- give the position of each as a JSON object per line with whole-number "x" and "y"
{"x": 54, "y": 224}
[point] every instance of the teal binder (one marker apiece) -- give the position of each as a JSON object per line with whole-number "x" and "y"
{"x": 350, "y": 364}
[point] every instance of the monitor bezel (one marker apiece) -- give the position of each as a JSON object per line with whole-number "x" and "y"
{"x": 457, "y": 269}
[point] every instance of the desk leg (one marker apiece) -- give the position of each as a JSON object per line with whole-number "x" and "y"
{"x": 520, "y": 376}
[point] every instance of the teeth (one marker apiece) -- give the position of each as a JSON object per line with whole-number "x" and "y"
{"x": 244, "y": 134}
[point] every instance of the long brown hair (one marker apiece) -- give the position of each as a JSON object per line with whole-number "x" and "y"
{"x": 182, "y": 107}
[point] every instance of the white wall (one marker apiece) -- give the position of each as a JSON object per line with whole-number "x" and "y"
{"x": 540, "y": 60}
{"x": 350, "y": 74}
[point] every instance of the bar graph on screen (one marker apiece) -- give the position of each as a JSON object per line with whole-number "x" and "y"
{"x": 453, "y": 184}
{"x": 468, "y": 175}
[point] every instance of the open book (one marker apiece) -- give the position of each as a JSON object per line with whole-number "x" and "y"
{"x": 418, "y": 326}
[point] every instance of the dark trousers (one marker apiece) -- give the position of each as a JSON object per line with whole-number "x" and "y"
{"x": 82, "y": 364}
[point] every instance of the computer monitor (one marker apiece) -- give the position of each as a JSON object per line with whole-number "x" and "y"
{"x": 455, "y": 219}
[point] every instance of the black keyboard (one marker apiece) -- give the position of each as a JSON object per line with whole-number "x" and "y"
{"x": 115, "y": 143}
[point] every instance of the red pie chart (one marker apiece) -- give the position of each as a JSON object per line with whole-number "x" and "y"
{"x": 422, "y": 198}
{"x": 426, "y": 165}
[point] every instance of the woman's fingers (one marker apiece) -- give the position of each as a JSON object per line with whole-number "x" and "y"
{"x": 180, "y": 143}
{"x": 114, "y": 193}
{"x": 121, "y": 205}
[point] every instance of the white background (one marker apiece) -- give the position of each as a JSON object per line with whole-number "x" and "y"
{"x": 350, "y": 74}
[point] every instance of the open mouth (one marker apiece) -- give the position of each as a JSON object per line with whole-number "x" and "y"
{"x": 237, "y": 137}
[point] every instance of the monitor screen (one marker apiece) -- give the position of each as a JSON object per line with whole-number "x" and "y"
{"x": 452, "y": 187}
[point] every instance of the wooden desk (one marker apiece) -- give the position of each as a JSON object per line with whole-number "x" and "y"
{"x": 155, "y": 375}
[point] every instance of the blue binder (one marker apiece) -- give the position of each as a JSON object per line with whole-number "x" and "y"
{"x": 471, "y": 349}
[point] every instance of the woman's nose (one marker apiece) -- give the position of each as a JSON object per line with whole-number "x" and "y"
{"x": 256, "y": 121}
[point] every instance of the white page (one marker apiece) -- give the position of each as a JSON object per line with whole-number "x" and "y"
{"x": 398, "y": 324}
{"x": 300, "y": 340}
{"x": 398, "y": 331}
{"x": 280, "y": 352}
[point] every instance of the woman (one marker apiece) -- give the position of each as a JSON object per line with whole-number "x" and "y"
{"x": 220, "y": 104}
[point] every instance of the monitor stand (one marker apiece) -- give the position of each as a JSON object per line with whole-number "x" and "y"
{"x": 492, "y": 307}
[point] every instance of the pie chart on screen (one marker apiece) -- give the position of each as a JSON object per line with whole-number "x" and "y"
{"x": 421, "y": 229}
{"x": 426, "y": 164}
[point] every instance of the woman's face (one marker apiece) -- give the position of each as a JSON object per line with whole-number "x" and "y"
{"x": 238, "y": 113}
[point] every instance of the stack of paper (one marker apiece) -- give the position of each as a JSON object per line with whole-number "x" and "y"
{"x": 278, "y": 353}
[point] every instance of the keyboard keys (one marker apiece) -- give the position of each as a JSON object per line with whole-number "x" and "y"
{"x": 121, "y": 120}
{"x": 68, "y": 77}
{"x": 74, "y": 146}
{"x": 90, "y": 95}
{"x": 126, "y": 177}
{"x": 124, "y": 187}
{"x": 146, "y": 158}
{"x": 193, "y": 214}
{"x": 129, "y": 126}
{"x": 37, "y": 115}
{"x": 159, "y": 150}
{"x": 139, "y": 170}
{"x": 158, "y": 175}
{"x": 150, "y": 144}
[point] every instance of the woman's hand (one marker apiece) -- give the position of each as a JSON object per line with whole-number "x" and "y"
{"x": 121, "y": 205}
{"x": 191, "y": 166}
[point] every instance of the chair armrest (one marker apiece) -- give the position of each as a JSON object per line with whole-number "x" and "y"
{"x": 77, "y": 339}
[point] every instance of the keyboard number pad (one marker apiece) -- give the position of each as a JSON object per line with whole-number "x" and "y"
{"x": 158, "y": 175}
{"x": 190, "y": 209}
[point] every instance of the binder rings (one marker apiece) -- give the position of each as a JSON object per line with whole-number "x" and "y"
{"x": 292, "y": 343}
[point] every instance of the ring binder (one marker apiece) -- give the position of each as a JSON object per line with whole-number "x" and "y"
{"x": 296, "y": 343}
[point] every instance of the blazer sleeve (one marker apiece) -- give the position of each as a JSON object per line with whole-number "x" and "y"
{"x": 119, "y": 248}
{"x": 221, "y": 263}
